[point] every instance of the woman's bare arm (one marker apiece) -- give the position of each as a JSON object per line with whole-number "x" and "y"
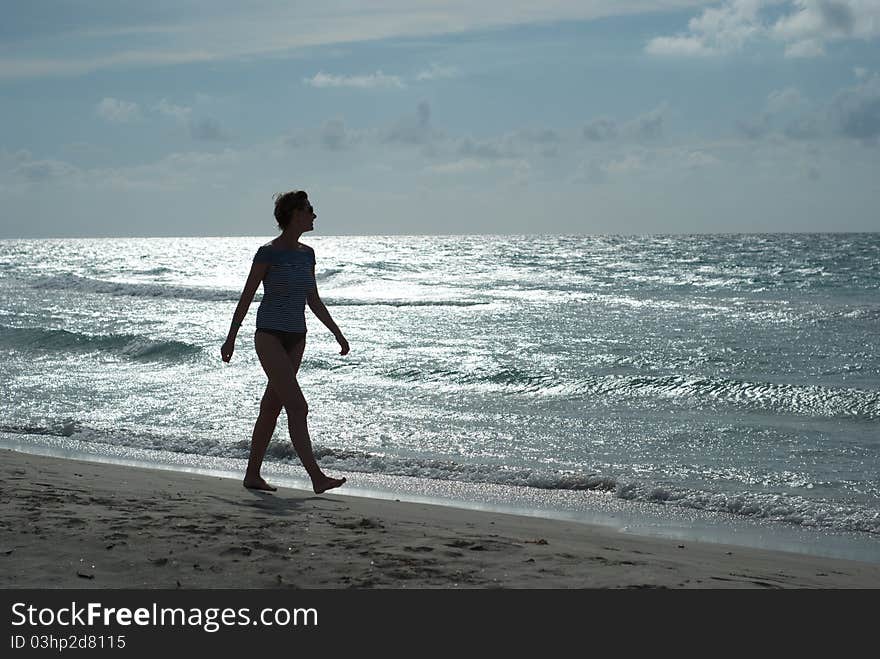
{"x": 258, "y": 271}
{"x": 316, "y": 304}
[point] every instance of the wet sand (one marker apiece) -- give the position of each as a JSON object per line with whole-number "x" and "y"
{"x": 75, "y": 524}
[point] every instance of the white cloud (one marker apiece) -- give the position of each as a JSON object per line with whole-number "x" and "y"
{"x": 207, "y": 129}
{"x": 648, "y": 126}
{"x": 589, "y": 172}
{"x": 816, "y": 22}
{"x": 118, "y": 111}
{"x": 372, "y": 81}
{"x": 856, "y": 111}
{"x": 627, "y": 164}
{"x": 681, "y": 45}
{"x": 193, "y": 33}
{"x": 335, "y": 136}
{"x": 178, "y": 112}
{"x": 805, "y": 48}
{"x": 600, "y": 129}
{"x": 413, "y": 128}
{"x": 698, "y": 159}
{"x": 784, "y": 99}
{"x": 437, "y": 72}
{"x": 804, "y": 28}
{"x": 463, "y": 166}
{"x": 852, "y": 113}
{"x": 718, "y": 30}
{"x": 786, "y": 114}
{"x": 37, "y": 171}
{"x": 817, "y": 19}
{"x": 486, "y": 149}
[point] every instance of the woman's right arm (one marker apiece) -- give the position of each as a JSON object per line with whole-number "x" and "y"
{"x": 258, "y": 271}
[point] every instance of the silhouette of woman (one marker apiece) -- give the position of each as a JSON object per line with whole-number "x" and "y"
{"x": 287, "y": 269}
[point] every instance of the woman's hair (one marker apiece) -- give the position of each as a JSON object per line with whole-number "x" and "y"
{"x": 286, "y": 203}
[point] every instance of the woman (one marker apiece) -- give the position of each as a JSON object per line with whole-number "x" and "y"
{"x": 287, "y": 269}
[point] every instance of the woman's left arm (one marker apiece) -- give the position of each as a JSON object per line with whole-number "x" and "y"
{"x": 317, "y": 306}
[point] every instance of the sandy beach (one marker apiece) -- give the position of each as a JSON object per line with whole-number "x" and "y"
{"x": 75, "y": 524}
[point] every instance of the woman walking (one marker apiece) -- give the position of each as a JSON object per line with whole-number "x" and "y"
{"x": 287, "y": 269}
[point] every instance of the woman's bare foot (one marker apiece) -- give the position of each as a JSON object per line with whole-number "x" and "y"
{"x": 258, "y": 484}
{"x": 326, "y": 483}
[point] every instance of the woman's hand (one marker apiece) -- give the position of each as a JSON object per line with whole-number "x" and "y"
{"x": 342, "y": 344}
{"x": 226, "y": 350}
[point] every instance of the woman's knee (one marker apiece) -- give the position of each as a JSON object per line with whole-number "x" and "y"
{"x": 297, "y": 407}
{"x": 270, "y": 406}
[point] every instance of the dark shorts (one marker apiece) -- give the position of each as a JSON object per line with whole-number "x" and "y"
{"x": 288, "y": 339}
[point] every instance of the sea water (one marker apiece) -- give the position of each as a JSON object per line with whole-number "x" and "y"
{"x": 699, "y": 381}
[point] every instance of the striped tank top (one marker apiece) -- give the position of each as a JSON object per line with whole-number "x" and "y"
{"x": 289, "y": 279}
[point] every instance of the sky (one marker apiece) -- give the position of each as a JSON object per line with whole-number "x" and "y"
{"x": 184, "y": 117}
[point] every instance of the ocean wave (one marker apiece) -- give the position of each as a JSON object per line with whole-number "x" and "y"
{"x": 341, "y": 302}
{"x": 85, "y": 284}
{"x": 770, "y": 506}
{"x": 775, "y": 507}
{"x": 808, "y": 400}
{"x": 693, "y": 391}
{"x": 323, "y": 275}
{"x": 124, "y": 345}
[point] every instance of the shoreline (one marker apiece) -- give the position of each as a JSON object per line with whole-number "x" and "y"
{"x": 76, "y": 524}
{"x": 590, "y": 508}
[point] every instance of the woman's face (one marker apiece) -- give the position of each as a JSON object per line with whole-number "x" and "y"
{"x": 304, "y": 218}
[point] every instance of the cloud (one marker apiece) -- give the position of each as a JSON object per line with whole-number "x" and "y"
{"x": 817, "y": 19}
{"x": 805, "y": 48}
{"x": 698, "y": 159}
{"x": 804, "y": 128}
{"x": 204, "y": 129}
{"x": 784, "y": 99}
{"x": 413, "y": 129}
{"x": 208, "y": 130}
{"x": 855, "y": 111}
{"x": 718, "y": 30}
{"x": 179, "y": 112}
{"x": 376, "y": 80}
{"x": 816, "y": 22}
{"x": 22, "y": 165}
{"x": 648, "y": 126}
{"x": 786, "y": 113}
{"x": 334, "y": 135}
{"x": 752, "y": 129}
{"x": 185, "y": 32}
{"x": 463, "y": 166}
{"x": 515, "y": 145}
{"x": 804, "y": 28}
{"x": 852, "y": 113}
{"x": 627, "y": 164}
{"x": 546, "y": 140}
{"x": 437, "y": 72}
{"x": 682, "y": 46}
{"x": 45, "y": 170}
{"x": 118, "y": 111}
{"x": 600, "y": 130}
{"x": 590, "y": 173}
{"x": 484, "y": 149}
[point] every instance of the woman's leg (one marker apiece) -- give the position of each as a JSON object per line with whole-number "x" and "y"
{"x": 282, "y": 378}
{"x": 270, "y": 408}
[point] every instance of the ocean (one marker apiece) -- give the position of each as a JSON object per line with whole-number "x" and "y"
{"x": 721, "y": 387}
